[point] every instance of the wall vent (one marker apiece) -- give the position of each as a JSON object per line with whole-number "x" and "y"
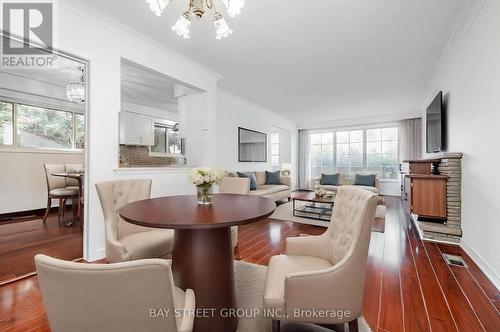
{"x": 454, "y": 260}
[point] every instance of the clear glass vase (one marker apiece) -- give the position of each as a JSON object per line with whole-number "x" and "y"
{"x": 205, "y": 194}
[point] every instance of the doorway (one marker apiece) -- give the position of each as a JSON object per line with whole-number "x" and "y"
{"x": 43, "y": 140}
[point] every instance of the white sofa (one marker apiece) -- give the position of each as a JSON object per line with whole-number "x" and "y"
{"x": 346, "y": 182}
{"x": 276, "y": 192}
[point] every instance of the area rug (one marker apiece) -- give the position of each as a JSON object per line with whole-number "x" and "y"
{"x": 284, "y": 212}
{"x": 250, "y": 281}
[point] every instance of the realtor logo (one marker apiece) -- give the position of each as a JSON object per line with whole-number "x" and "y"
{"x": 28, "y": 29}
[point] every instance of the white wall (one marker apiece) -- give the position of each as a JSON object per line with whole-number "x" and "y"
{"x": 470, "y": 79}
{"x": 22, "y": 178}
{"x": 234, "y": 112}
{"x": 86, "y": 33}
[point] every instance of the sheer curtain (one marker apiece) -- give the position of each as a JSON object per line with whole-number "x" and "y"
{"x": 304, "y": 166}
{"x": 411, "y": 139}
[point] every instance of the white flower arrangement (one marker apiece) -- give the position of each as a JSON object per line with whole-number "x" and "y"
{"x": 204, "y": 176}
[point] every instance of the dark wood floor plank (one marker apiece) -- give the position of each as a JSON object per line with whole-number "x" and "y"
{"x": 21, "y": 241}
{"x": 462, "y": 312}
{"x": 391, "y": 256}
{"x": 373, "y": 289}
{"x": 483, "y": 307}
{"x": 439, "y": 313}
{"x": 486, "y": 285}
{"x": 392, "y": 317}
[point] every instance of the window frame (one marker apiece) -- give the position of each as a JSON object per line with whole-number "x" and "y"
{"x": 276, "y": 167}
{"x": 15, "y": 139}
{"x": 334, "y": 131}
{"x": 164, "y": 124}
{"x": 397, "y": 140}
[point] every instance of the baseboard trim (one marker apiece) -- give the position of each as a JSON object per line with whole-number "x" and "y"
{"x": 97, "y": 255}
{"x": 481, "y": 264}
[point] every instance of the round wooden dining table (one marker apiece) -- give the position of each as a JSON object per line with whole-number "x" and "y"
{"x": 202, "y": 259}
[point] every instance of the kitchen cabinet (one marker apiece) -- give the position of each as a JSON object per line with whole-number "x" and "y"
{"x": 136, "y": 129}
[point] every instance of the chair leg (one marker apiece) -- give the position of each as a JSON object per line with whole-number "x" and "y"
{"x": 74, "y": 209}
{"x": 276, "y": 325}
{"x": 353, "y": 325}
{"x": 59, "y": 211}
{"x": 49, "y": 204}
{"x": 289, "y": 199}
{"x": 63, "y": 206}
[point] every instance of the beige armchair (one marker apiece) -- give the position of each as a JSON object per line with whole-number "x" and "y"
{"x": 113, "y": 297}
{"x": 325, "y": 272}
{"x": 233, "y": 185}
{"x": 125, "y": 241}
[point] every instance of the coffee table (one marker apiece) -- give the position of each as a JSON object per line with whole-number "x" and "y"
{"x": 318, "y": 208}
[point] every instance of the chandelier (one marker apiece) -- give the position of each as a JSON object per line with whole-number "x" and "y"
{"x": 197, "y": 9}
{"x": 75, "y": 92}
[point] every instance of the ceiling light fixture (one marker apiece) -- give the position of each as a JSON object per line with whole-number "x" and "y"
{"x": 157, "y": 6}
{"x": 75, "y": 92}
{"x": 197, "y": 8}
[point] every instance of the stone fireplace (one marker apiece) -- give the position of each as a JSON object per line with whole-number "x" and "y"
{"x": 451, "y": 231}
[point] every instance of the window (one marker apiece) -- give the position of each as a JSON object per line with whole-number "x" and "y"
{"x": 321, "y": 154}
{"x": 350, "y": 151}
{"x": 166, "y": 140}
{"x": 382, "y": 152}
{"x": 39, "y": 127}
{"x": 355, "y": 151}
{"x": 275, "y": 151}
{"x": 79, "y": 131}
{"x": 43, "y": 128}
{"x": 6, "y": 129}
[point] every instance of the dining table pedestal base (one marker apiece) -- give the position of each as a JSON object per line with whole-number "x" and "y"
{"x": 202, "y": 260}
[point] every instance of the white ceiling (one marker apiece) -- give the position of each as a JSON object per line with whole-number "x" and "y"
{"x": 143, "y": 86}
{"x": 66, "y": 71}
{"x": 313, "y": 60}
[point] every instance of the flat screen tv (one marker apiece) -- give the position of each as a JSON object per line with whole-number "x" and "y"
{"x": 436, "y": 125}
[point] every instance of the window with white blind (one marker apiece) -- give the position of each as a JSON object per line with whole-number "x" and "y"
{"x": 382, "y": 152}
{"x": 275, "y": 151}
{"x": 349, "y": 151}
{"x": 322, "y": 154}
{"x": 373, "y": 150}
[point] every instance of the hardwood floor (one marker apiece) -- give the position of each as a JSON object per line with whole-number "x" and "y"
{"x": 20, "y": 241}
{"x": 408, "y": 285}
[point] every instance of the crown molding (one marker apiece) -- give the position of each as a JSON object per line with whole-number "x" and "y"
{"x": 462, "y": 29}
{"x": 366, "y": 120}
{"x": 78, "y": 8}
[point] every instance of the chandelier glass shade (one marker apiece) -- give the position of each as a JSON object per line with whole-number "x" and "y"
{"x": 222, "y": 30}
{"x": 198, "y": 9}
{"x": 182, "y": 25}
{"x": 157, "y": 6}
{"x": 75, "y": 92}
{"x": 234, "y": 7}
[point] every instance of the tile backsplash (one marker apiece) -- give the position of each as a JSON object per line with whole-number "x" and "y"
{"x": 138, "y": 156}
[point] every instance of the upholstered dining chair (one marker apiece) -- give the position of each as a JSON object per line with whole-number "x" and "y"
{"x": 57, "y": 189}
{"x": 68, "y": 168}
{"x": 234, "y": 185}
{"x": 325, "y": 272}
{"x": 125, "y": 241}
{"x": 116, "y": 297}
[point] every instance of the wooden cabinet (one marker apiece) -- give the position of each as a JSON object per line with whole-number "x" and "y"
{"x": 136, "y": 129}
{"x": 426, "y": 195}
